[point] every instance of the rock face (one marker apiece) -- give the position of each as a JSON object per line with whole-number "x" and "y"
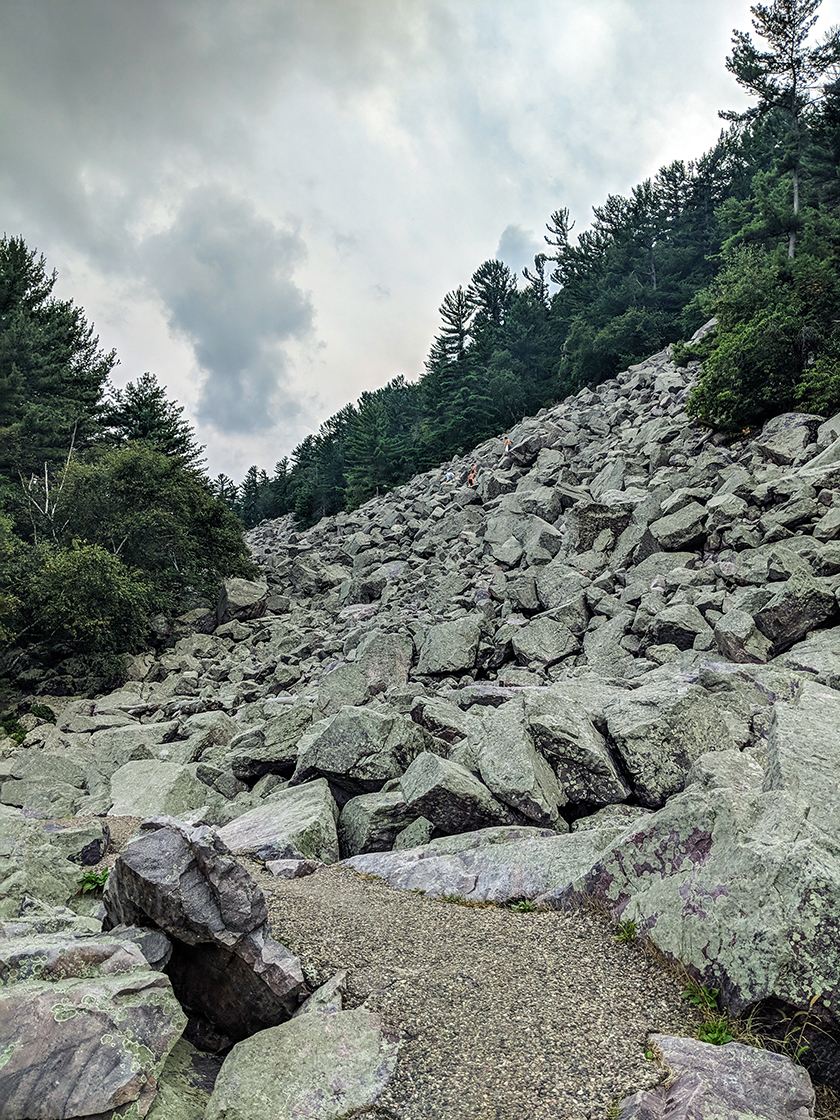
{"x": 610, "y": 668}
{"x": 87, "y": 989}
{"x": 225, "y": 967}
{"x": 323, "y": 1066}
{"x": 731, "y": 1082}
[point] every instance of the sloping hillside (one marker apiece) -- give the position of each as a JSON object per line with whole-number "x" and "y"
{"x": 605, "y": 667}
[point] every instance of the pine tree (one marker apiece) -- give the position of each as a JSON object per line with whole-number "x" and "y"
{"x": 787, "y": 78}
{"x": 141, "y": 411}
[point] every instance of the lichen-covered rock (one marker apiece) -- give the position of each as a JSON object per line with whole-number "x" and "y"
{"x": 372, "y": 821}
{"x": 295, "y": 823}
{"x": 225, "y": 967}
{"x": 452, "y": 798}
{"x": 450, "y": 647}
{"x": 84, "y": 1046}
{"x": 319, "y": 1066}
{"x": 660, "y": 729}
{"x": 731, "y": 1082}
{"x": 358, "y": 750}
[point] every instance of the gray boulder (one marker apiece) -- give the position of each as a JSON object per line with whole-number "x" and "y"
{"x": 450, "y": 647}
{"x": 152, "y": 788}
{"x": 295, "y": 823}
{"x": 800, "y": 604}
{"x": 684, "y": 527}
{"x": 452, "y": 798}
{"x": 358, "y": 749}
{"x": 52, "y": 1034}
{"x": 543, "y": 641}
{"x": 241, "y": 600}
{"x": 817, "y": 656}
{"x": 511, "y": 767}
{"x": 372, "y": 821}
{"x": 731, "y": 1082}
{"x": 565, "y": 735}
{"x": 490, "y": 865}
{"x": 319, "y": 1066}
{"x": 738, "y": 638}
{"x": 679, "y": 625}
{"x": 784, "y": 439}
{"x": 660, "y": 729}
{"x": 225, "y": 967}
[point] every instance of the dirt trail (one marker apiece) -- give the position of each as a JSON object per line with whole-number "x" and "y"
{"x": 503, "y": 1015}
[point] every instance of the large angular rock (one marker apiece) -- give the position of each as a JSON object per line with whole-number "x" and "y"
{"x": 490, "y": 865}
{"x": 817, "y": 657}
{"x": 241, "y": 599}
{"x": 31, "y": 866}
{"x": 678, "y": 625}
{"x": 318, "y": 1066}
{"x": 740, "y": 886}
{"x": 271, "y": 748}
{"x": 452, "y": 798}
{"x": 803, "y": 754}
{"x": 372, "y": 821}
{"x": 450, "y": 647}
{"x": 225, "y": 968}
{"x": 784, "y": 439}
{"x": 358, "y": 750}
{"x": 800, "y": 604}
{"x": 543, "y": 641}
{"x": 151, "y": 788}
{"x": 565, "y": 735}
{"x": 660, "y": 729}
{"x": 739, "y": 639}
{"x": 511, "y": 767}
{"x": 677, "y": 530}
{"x": 384, "y": 659}
{"x": 295, "y": 823}
{"x": 731, "y": 1082}
{"x": 56, "y": 1060}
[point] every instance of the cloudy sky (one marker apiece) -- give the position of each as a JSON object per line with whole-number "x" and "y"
{"x": 263, "y": 202}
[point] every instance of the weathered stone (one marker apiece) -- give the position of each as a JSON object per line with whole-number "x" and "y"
{"x": 452, "y": 798}
{"x": 543, "y": 641}
{"x": 151, "y": 788}
{"x": 731, "y": 1082}
{"x": 684, "y": 527}
{"x": 800, "y": 604}
{"x": 241, "y": 600}
{"x": 739, "y": 639}
{"x": 490, "y": 865}
{"x": 372, "y": 821}
{"x": 271, "y": 748}
{"x": 295, "y": 823}
{"x": 358, "y": 750}
{"x": 224, "y": 968}
{"x": 319, "y": 1066}
{"x": 65, "y": 1070}
{"x": 679, "y": 625}
{"x": 818, "y": 657}
{"x": 450, "y": 647}
{"x": 578, "y": 753}
{"x": 510, "y": 765}
{"x": 784, "y": 439}
{"x": 185, "y": 1085}
{"x": 660, "y": 729}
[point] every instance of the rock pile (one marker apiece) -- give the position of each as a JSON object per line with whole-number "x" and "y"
{"x": 609, "y": 669}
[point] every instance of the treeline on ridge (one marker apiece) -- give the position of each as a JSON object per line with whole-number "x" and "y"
{"x": 748, "y": 233}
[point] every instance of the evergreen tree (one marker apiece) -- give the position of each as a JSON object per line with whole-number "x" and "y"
{"x": 786, "y": 79}
{"x": 52, "y": 372}
{"x": 141, "y": 411}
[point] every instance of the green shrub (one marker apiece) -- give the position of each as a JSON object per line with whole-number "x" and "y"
{"x": 86, "y": 600}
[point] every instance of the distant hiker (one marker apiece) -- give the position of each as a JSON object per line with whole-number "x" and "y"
{"x": 449, "y": 476}
{"x": 507, "y": 445}
{"x": 471, "y": 476}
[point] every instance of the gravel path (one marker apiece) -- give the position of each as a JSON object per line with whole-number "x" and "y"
{"x": 502, "y": 1015}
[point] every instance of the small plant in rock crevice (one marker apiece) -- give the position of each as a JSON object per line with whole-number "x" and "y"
{"x": 93, "y": 882}
{"x": 524, "y": 906}
{"x": 627, "y": 932}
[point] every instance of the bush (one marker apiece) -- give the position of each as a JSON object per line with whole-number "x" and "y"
{"x": 86, "y": 600}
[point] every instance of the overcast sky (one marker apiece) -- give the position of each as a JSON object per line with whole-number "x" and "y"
{"x": 263, "y": 202}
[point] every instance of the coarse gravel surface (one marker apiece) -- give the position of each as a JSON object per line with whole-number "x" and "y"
{"x": 502, "y": 1015}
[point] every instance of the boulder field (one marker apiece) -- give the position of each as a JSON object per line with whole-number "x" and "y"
{"x": 608, "y": 672}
